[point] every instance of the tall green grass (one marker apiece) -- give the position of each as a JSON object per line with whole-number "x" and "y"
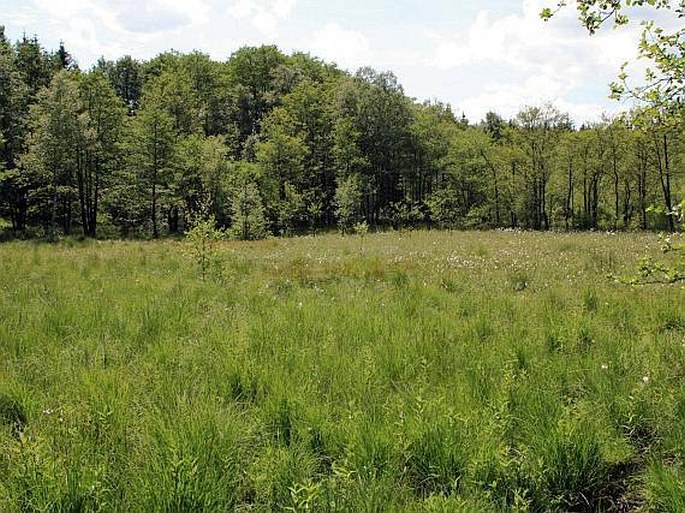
{"x": 426, "y": 371}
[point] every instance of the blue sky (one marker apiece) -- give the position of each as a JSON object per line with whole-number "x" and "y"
{"x": 477, "y": 55}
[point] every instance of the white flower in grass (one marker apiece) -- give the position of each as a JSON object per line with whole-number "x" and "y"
{"x": 605, "y": 366}
{"x": 645, "y": 379}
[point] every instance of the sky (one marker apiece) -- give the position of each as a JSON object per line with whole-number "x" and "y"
{"x": 477, "y": 55}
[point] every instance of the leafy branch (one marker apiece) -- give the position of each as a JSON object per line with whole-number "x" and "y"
{"x": 651, "y": 272}
{"x": 595, "y": 13}
{"x": 664, "y": 87}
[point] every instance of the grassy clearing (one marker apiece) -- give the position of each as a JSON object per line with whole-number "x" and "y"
{"x": 418, "y": 371}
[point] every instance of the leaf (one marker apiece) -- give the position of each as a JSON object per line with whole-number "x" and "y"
{"x": 546, "y": 13}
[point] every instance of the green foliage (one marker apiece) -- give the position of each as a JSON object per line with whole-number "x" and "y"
{"x": 445, "y": 208}
{"x": 293, "y": 210}
{"x": 248, "y": 220}
{"x": 594, "y": 13}
{"x": 665, "y": 488}
{"x": 202, "y": 246}
{"x": 326, "y": 149}
{"x": 348, "y": 199}
{"x": 125, "y": 76}
{"x": 151, "y": 147}
{"x": 201, "y": 176}
{"x": 12, "y": 415}
{"x": 361, "y": 229}
{"x": 54, "y": 152}
{"x": 101, "y": 117}
{"x": 253, "y": 72}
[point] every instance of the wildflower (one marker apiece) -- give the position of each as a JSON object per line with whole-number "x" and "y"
{"x": 645, "y": 379}
{"x": 48, "y": 411}
{"x": 605, "y": 366}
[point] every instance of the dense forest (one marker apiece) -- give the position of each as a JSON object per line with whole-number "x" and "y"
{"x": 267, "y": 143}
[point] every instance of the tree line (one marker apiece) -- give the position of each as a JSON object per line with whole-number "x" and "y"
{"x": 267, "y": 143}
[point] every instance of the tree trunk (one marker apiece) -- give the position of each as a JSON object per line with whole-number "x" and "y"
{"x": 569, "y": 196}
{"x": 617, "y": 206}
{"x": 155, "y": 164}
{"x": 96, "y": 193}
{"x": 82, "y": 194}
{"x": 155, "y": 229}
{"x": 667, "y": 190}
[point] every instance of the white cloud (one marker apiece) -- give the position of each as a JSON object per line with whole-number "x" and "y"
{"x": 132, "y": 15}
{"x": 542, "y": 61}
{"x": 198, "y": 11}
{"x": 347, "y": 48}
{"x": 506, "y": 99}
{"x": 242, "y": 9}
{"x": 64, "y": 9}
{"x": 94, "y": 28}
{"x": 264, "y": 15}
{"x": 477, "y": 55}
{"x": 509, "y": 98}
{"x": 283, "y": 8}
{"x": 524, "y": 40}
{"x": 156, "y": 16}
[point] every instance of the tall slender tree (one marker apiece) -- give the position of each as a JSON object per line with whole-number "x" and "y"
{"x": 13, "y": 112}
{"x": 151, "y": 146}
{"x": 53, "y": 156}
{"x": 101, "y": 124}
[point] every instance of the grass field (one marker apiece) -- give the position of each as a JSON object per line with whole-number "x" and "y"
{"x": 424, "y": 371}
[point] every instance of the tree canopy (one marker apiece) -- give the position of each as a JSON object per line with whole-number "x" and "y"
{"x": 268, "y": 143}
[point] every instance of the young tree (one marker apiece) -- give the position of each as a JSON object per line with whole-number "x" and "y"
{"x": 309, "y": 108}
{"x": 126, "y": 77}
{"x": 101, "y": 123}
{"x": 13, "y": 110}
{"x": 247, "y": 211}
{"x": 252, "y": 73}
{"x": 281, "y": 156}
{"x": 433, "y": 129}
{"x": 151, "y": 146}
{"x": 34, "y": 66}
{"x": 201, "y": 177}
{"x": 659, "y": 133}
{"x": 348, "y": 203}
{"x": 539, "y": 129}
{"x": 54, "y": 147}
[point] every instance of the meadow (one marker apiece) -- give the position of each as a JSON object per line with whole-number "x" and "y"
{"x": 406, "y": 371}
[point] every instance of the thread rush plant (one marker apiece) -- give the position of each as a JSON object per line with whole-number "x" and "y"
{"x": 412, "y": 377}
